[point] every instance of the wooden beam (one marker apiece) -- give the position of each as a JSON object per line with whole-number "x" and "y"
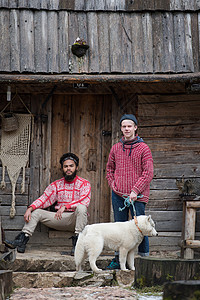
{"x": 192, "y": 243}
{"x": 30, "y": 78}
{"x": 193, "y": 204}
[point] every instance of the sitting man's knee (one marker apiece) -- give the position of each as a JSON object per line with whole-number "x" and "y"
{"x": 81, "y": 209}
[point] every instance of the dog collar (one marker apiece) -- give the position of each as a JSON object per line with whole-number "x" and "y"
{"x": 136, "y": 223}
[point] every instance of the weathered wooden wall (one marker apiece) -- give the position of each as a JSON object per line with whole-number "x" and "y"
{"x": 110, "y": 5}
{"x": 38, "y": 41}
{"x": 168, "y": 123}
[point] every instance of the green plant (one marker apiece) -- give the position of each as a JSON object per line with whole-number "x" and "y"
{"x": 169, "y": 277}
{"x": 79, "y": 41}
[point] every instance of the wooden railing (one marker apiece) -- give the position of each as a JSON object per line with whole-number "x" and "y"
{"x": 188, "y": 242}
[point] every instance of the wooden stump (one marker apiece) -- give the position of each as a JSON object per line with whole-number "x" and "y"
{"x": 182, "y": 290}
{"x": 151, "y": 271}
{"x": 6, "y": 283}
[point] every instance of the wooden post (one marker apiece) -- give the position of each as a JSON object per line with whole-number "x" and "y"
{"x": 190, "y": 219}
{"x": 0, "y": 234}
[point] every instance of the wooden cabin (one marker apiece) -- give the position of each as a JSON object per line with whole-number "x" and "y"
{"x": 143, "y": 58}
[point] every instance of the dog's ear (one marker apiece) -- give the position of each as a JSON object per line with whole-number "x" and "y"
{"x": 149, "y": 218}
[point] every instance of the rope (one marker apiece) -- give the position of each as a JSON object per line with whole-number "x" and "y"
{"x": 128, "y": 203}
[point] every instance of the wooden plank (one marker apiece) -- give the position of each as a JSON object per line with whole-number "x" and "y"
{"x": 173, "y": 146}
{"x": 52, "y": 42}
{"x": 59, "y": 234}
{"x": 192, "y": 244}
{"x": 90, "y": 5}
{"x": 164, "y": 194}
{"x": 12, "y": 224}
{"x": 19, "y": 179}
{"x": 82, "y": 32}
{"x": 163, "y": 99}
{"x": 147, "y": 43}
{"x": 157, "y": 41}
{"x": 167, "y": 221}
{"x": 23, "y": 3}
{"x": 8, "y": 189}
{"x": 176, "y": 5}
{"x": 161, "y": 184}
{"x": 164, "y": 205}
{"x": 27, "y": 41}
{"x": 182, "y": 44}
{"x": 5, "y": 41}
{"x": 73, "y": 35}
{"x": 168, "y": 57}
{"x": 100, "y": 5}
{"x": 195, "y": 40}
{"x": 169, "y": 111}
{"x": 64, "y": 48}
{"x": 46, "y": 141}
{"x": 178, "y": 131}
{"x": 104, "y": 47}
{"x": 188, "y": 42}
{"x": 193, "y": 204}
{"x": 115, "y": 38}
{"x": 79, "y": 4}
{"x": 35, "y": 150}
{"x": 189, "y": 4}
{"x": 85, "y": 140}
{"x": 93, "y": 51}
{"x": 138, "y": 43}
{"x": 14, "y": 41}
{"x": 105, "y": 144}
{"x": 177, "y": 171}
{"x": 176, "y": 156}
{"x": 61, "y": 118}
{"x": 40, "y": 24}
{"x": 53, "y": 4}
{"x": 126, "y": 43}
{"x": 20, "y": 210}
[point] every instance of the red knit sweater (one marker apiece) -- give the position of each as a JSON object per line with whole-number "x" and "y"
{"x": 65, "y": 193}
{"x": 130, "y": 168}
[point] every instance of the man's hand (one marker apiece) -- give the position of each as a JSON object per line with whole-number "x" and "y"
{"x": 27, "y": 215}
{"x": 133, "y": 196}
{"x": 59, "y": 213}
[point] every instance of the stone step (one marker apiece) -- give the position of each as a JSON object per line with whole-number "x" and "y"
{"x": 44, "y": 269}
{"x": 44, "y": 261}
{"x": 67, "y": 279}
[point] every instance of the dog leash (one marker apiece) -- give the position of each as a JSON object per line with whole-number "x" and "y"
{"x": 127, "y": 203}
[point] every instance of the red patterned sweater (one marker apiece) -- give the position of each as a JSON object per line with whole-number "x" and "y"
{"x": 130, "y": 167}
{"x": 65, "y": 193}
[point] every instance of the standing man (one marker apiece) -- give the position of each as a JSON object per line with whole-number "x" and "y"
{"x": 71, "y": 196}
{"x": 129, "y": 173}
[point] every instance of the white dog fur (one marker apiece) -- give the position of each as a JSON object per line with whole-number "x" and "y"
{"x": 124, "y": 237}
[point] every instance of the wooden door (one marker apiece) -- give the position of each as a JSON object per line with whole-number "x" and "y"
{"x": 82, "y": 124}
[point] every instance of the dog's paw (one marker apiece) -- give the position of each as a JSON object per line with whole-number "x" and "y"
{"x": 97, "y": 270}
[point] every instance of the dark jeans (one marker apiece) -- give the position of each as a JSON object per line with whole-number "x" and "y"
{"x": 122, "y": 216}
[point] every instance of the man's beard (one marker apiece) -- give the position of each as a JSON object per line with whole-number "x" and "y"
{"x": 69, "y": 177}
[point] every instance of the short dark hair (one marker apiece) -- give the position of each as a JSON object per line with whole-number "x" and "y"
{"x": 71, "y": 156}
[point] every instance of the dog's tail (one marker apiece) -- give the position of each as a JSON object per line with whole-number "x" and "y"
{"x": 79, "y": 254}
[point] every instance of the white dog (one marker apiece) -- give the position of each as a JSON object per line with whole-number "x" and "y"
{"x": 124, "y": 237}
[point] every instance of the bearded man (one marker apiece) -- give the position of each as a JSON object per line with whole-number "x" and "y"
{"x": 70, "y": 196}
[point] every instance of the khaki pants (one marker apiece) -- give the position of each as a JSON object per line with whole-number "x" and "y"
{"x": 71, "y": 221}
